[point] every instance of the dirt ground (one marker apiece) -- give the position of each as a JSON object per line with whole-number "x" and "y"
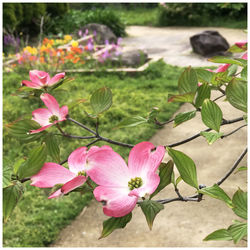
{"x": 180, "y": 224}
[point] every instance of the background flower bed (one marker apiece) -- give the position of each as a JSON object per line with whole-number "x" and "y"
{"x": 132, "y": 95}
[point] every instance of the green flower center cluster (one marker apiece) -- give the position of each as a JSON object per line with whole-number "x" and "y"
{"x": 53, "y": 118}
{"x": 82, "y": 173}
{"x": 135, "y": 183}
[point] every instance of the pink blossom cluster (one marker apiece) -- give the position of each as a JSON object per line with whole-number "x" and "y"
{"x": 120, "y": 185}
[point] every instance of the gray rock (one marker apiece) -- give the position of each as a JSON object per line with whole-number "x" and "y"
{"x": 131, "y": 58}
{"x": 209, "y": 43}
{"x": 103, "y": 33}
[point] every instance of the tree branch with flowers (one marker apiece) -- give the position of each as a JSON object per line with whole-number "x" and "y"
{"x": 118, "y": 185}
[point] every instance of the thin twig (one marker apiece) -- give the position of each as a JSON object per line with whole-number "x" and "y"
{"x": 163, "y": 123}
{"x": 234, "y": 131}
{"x": 82, "y": 125}
{"x": 93, "y": 142}
{"x": 78, "y": 137}
{"x": 224, "y": 122}
{"x": 217, "y": 98}
{"x": 233, "y": 168}
{"x": 116, "y": 142}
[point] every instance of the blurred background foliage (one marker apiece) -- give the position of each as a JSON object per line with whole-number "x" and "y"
{"x": 24, "y": 19}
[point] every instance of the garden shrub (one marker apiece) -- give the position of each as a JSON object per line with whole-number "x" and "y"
{"x": 75, "y": 19}
{"x": 198, "y": 14}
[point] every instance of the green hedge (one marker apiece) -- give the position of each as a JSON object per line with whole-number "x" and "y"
{"x": 199, "y": 14}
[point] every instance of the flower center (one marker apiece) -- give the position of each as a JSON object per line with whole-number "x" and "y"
{"x": 82, "y": 173}
{"x": 135, "y": 183}
{"x": 53, "y": 118}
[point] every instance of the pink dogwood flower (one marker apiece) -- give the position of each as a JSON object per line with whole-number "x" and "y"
{"x": 120, "y": 186}
{"x": 244, "y": 56}
{"x": 40, "y": 79}
{"x": 52, "y": 174}
{"x": 222, "y": 68}
{"x": 50, "y": 116}
{"x": 241, "y": 44}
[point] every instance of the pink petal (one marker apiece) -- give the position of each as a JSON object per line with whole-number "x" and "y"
{"x": 42, "y": 116}
{"x": 72, "y": 184}
{"x": 244, "y": 56}
{"x": 150, "y": 183}
{"x": 56, "y": 194}
{"x": 39, "y": 77}
{"x": 144, "y": 157}
{"x": 63, "y": 112}
{"x": 241, "y": 43}
{"x": 31, "y": 84}
{"x": 51, "y": 104}
{"x": 117, "y": 202}
{"x": 50, "y": 175}
{"x": 94, "y": 149}
{"x": 222, "y": 68}
{"x": 77, "y": 160}
{"x": 56, "y": 78}
{"x": 106, "y": 167}
{"x": 40, "y": 129}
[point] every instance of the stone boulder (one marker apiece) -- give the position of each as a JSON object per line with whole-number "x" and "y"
{"x": 209, "y": 43}
{"x": 103, "y": 33}
{"x": 131, "y": 58}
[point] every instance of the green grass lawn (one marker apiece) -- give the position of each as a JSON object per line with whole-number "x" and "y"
{"x": 36, "y": 221}
{"x": 149, "y": 17}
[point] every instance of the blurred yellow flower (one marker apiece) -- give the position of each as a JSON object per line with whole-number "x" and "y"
{"x": 67, "y": 38}
{"x": 74, "y": 44}
{"x": 31, "y": 50}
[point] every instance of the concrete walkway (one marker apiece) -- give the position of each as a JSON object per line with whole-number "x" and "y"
{"x": 179, "y": 224}
{"x": 172, "y": 43}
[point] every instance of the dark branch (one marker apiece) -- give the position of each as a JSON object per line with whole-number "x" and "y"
{"x": 217, "y": 98}
{"x": 224, "y": 122}
{"x": 116, "y": 142}
{"x": 82, "y": 125}
{"x": 233, "y": 168}
{"x": 234, "y": 131}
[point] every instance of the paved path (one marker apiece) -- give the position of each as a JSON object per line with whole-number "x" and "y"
{"x": 179, "y": 224}
{"x": 172, "y": 43}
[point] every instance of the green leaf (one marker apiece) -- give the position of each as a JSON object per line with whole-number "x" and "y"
{"x": 178, "y": 180}
{"x": 183, "y": 117}
{"x": 63, "y": 81}
{"x": 114, "y": 223}
{"x": 240, "y": 204}
{"x": 211, "y": 115}
{"x": 21, "y": 129}
{"x": 153, "y": 114}
{"x": 18, "y": 164}
{"x": 11, "y": 196}
{"x": 222, "y": 59}
{"x": 232, "y": 69}
{"x": 188, "y": 97}
{"x": 203, "y": 92}
{"x": 221, "y": 78}
{"x": 235, "y": 49}
{"x": 243, "y": 168}
{"x": 53, "y": 148}
{"x": 36, "y": 159}
{"x": 221, "y": 234}
{"x": 211, "y": 137}
{"x": 238, "y": 231}
{"x": 7, "y": 171}
{"x": 188, "y": 81}
{"x": 151, "y": 209}
{"x": 185, "y": 166}
{"x": 165, "y": 173}
{"x": 101, "y": 100}
{"x": 244, "y": 73}
{"x": 216, "y": 192}
{"x": 236, "y": 93}
{"x": 204, "y": 75}
{"x": 132, "y": 122}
